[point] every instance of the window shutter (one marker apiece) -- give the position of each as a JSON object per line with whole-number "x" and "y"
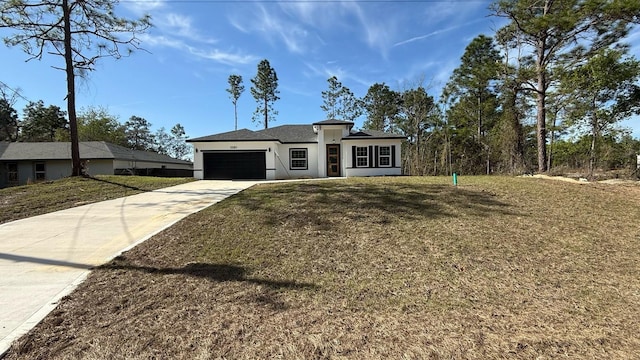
{"x": 393, "y": 156}
{"x": 353, "y": 157}
{"x": 376, "y": 157}
{"x": 370, "y": 155}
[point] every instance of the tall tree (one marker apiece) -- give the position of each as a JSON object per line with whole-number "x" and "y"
{"x": 415, "y": 122}
{"x": 265, "y": 91}
{"x": 331, "y": 98}
{"x": 41, "y": 123}
{"x": 553, "y": 28}
{"x": 8, "y": 121}
{"x": 79, "y": 31}
{"x": 603, "y": 91}
{"x": 97, "y": 124}
{"x": 382, "y": 107}
{"x": 475, "y": 79}
{"x": 138, "y": 131}
{"x": 235, "y": 90}
{"x": 179, "y": 147}
{"x": 339, "y": 102}
{"x": 472, "y": 86}
{"x": 162, "y": 142}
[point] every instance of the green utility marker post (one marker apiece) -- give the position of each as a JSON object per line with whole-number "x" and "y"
{"x": 455, "y": 179}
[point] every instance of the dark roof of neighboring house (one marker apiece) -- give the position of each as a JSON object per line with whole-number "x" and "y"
{"x": 291, "y": 134}
{"x": 16, "y": 151}
{"x": 333, "y": 122}
{"x": 372, "y": 134}
{"x": 238, "y": 135}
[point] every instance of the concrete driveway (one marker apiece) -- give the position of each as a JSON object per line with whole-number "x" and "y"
{"x": 45, "y": 257}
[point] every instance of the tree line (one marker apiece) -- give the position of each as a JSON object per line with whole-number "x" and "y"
{"x": 50, "y": 123}
{"x": 547, "y": 90}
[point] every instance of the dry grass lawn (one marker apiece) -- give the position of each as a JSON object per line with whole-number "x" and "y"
{"x": 20, "y": 202}
{"x": 375, "y": 268}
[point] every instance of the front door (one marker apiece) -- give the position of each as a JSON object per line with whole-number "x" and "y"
{"x": 333, "y": 160}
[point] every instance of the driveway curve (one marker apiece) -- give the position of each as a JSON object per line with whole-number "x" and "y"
{"x": 44, "y": 258}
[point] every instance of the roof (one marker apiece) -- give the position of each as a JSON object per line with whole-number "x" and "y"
{"x": 333, "y": 122}
{"x": 372, "y": 134}
{"x": 16, "y": 151}
{"x": 238, "y": 135}
{"x": 293, "y": 134}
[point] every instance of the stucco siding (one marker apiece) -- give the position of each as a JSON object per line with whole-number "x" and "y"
{"x": 351, "y": 170}
{"x": 100, "y": 167}
{"x": 283, "y": 161}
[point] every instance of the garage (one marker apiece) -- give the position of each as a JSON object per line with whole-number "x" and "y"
{"x": 229, "y": 165}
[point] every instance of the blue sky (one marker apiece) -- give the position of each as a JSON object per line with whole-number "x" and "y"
{"x": 195, "y": 45}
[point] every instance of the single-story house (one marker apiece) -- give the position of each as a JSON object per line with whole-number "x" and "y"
{"x": 329, "y": 148}
{"x": 22, "y": 162}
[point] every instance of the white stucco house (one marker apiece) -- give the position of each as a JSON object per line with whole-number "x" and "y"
{"x": 23, "y": 162}
{"x": 327, "y": 148}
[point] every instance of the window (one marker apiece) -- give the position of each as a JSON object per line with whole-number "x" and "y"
{"x": 362, "y": 156}
{"x": 12, "y": 173}
{"x": 384, "y": 156}
{"x": 40, "y": 172}
{"x": 298, "y": 159}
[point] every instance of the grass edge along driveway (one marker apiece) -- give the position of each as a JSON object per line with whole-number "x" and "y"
{"x": 25, "y": 201}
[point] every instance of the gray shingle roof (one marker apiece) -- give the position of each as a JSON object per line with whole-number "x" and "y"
{"x": 288, "y": 134}
{"x": 333, "y": 122}
{"x": 292, "y": 133}
{"x": 372, "y": 134}
{"x": 17, "y": 151}
{"x": 238, "y": 135}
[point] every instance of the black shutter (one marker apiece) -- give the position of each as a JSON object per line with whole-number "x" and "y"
{"x": 353, "y": 157}
{"x": 393, "y": 156}
{"x": 370, "y": 155}
{"x": 376, "y": 157}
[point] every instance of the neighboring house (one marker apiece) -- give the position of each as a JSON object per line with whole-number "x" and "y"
{"x": 324, "y": 149}
{"x": 22, "y": 162}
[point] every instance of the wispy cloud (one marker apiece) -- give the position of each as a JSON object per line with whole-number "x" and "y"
{"x": 377, "y": 31}
{"x": 274, "y": 27}
{"x": 178, "y": 31}
{"x": 436, "y": 32}
{"x": 227, "y": 58}
{"x": 182, "y": 26}
{"x": 326, "y": 72}
{"x": 141, "y": 7}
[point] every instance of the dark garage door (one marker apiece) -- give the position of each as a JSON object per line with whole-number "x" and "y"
{"x": 235, "y": 165}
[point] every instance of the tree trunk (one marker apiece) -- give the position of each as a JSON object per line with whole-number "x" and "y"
{"x": 235, "y": 112}
{"x": 551, "y": 139}
{"x": 266, "y": 114}
{"x": 592, "y": 152}
{"x": 541, "y": 117}
{"x": 71, "y": 91}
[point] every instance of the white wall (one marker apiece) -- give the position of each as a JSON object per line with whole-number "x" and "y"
{"x": 350, "y": 170}
{"x": 283, "y": 170}
{"x": 268, "y": 146}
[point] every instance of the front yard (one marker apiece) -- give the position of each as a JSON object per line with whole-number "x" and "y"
{"x": 372, "y": 268}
